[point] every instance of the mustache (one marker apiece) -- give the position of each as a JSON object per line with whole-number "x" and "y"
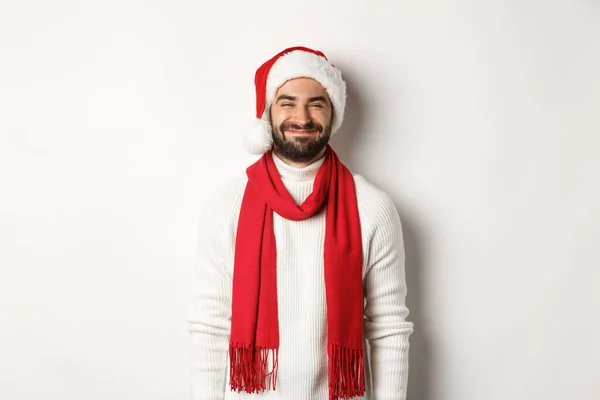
{"x": 309, "y": 126}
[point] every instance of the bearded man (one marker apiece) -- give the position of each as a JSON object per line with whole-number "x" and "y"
{"x": 300, "y": 262}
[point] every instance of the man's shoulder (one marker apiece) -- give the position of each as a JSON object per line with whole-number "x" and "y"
{"x": 225, "y": 197}
{"x": 374, "y": 204}
{"x": 371, "y": 195}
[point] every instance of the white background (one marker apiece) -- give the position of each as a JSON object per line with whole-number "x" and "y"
{"x": 479, "y": 118}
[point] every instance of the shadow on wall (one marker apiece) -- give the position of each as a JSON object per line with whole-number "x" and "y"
{"x": 420, "y": 369}
{"x": 420, "y": 360}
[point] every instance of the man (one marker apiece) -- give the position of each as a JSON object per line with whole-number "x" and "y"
{"x": 300, "y": 263}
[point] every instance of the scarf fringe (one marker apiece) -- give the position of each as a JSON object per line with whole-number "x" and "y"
{"x": 248, "y": 368}
{"x": 346, "y": 372}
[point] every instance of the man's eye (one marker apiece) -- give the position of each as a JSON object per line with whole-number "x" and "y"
{"x": 318, "y": 105}
{"x": 286, "y": 105}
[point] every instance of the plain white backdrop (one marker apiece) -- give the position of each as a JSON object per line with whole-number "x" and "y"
{"x": 480, "y": 118}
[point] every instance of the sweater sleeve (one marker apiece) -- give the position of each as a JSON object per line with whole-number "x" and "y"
{"x": 386, "y": 328}
{"x": 210, "y": 309}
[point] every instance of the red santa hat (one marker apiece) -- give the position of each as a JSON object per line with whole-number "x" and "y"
{"x": 293, "y": 62}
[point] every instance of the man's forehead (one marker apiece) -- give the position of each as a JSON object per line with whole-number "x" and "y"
{"x": 302, "y": 87}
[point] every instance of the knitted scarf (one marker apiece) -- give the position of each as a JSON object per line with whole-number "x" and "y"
{"x": 254, "y": 321}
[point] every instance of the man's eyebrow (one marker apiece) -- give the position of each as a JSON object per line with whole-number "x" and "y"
{"x": 318, "y": 98}
{"x": 293, "y": 98}
{"x": 286, "y": 97}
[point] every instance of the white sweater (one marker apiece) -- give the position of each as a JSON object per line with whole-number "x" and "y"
{"x": 302, "y": 371}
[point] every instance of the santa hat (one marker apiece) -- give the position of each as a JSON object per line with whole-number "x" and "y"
{"x": 293, "y": 62}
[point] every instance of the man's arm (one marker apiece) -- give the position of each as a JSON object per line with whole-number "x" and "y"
{"x": 386, "y": 327}
{"x": 210, "y": 311}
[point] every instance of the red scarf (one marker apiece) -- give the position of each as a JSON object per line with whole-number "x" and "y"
{"x": 254, "y": 321}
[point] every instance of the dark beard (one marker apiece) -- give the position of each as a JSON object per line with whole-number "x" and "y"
{"x": 301, "y": 149}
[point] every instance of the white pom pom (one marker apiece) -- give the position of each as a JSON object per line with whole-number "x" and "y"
{"x": 258, "y": 138}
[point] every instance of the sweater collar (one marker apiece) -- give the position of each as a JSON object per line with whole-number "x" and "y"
{"x": 287, "y": 171}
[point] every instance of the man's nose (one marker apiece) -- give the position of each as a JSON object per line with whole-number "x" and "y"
{"x": 301, "y": 115}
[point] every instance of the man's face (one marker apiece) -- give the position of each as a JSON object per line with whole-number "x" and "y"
{"x": 301, "y": 117}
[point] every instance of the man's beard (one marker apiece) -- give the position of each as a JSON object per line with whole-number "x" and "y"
{"x": 304, "y": 148}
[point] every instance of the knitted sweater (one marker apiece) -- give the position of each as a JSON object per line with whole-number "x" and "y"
{"x": 302, "y": 373}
